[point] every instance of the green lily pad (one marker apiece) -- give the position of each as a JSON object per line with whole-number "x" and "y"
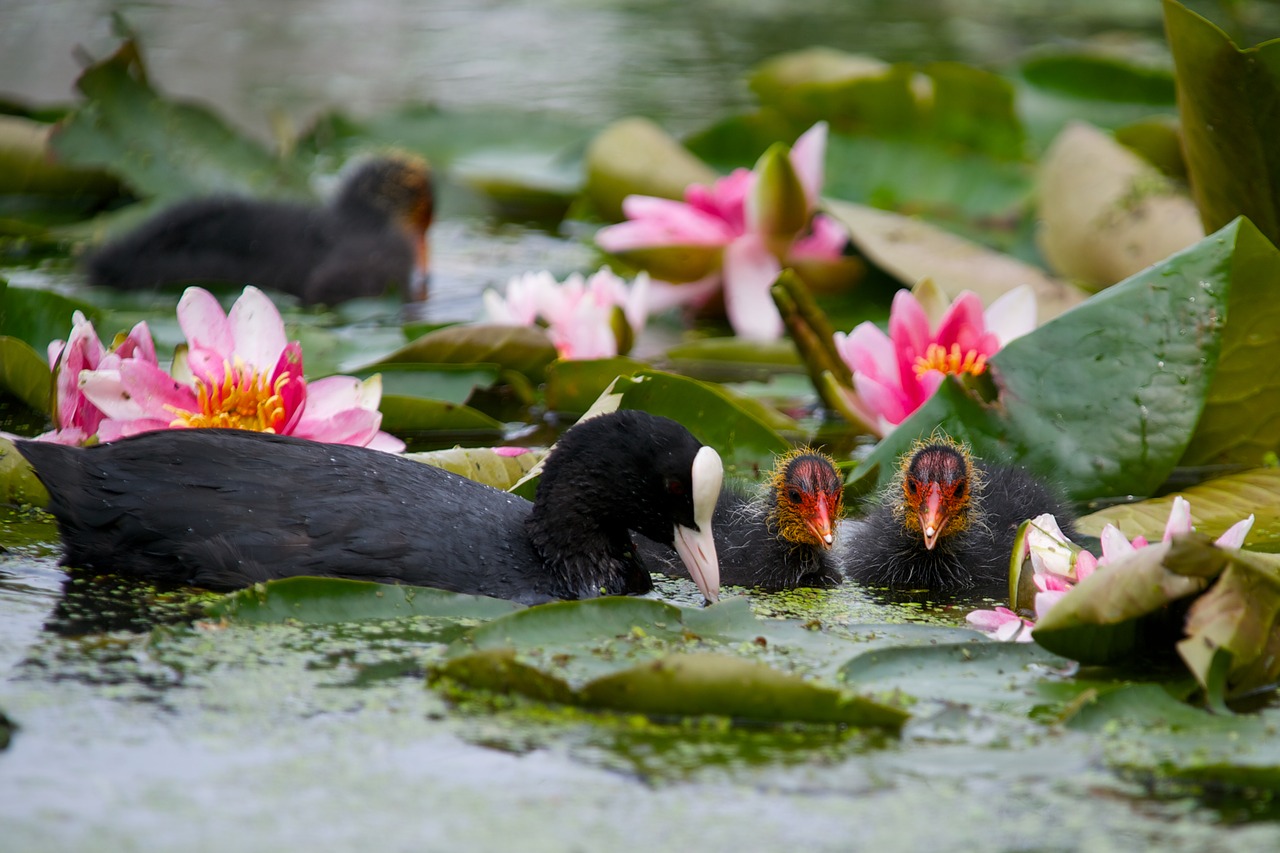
{"x": 1115, "y": 417}
{"x": 1229, "y": 100}
{"x": 482, "y": 464}
{"x": 636, "y": 156}
{"x": 449, "y": 383}
{"x": 162, "y": 148}
{"x": 325, "y": 600}
{"x": 39, "y": 316}
{"x": 745, "y": 432}
{"x": 408, "y": 415}
{"x": 18, "y": 482}
{"x": 1057, "y": 86}
{"x": 572, "y": 386}
{"x": 1215, "y": 505}
{"x": 978, "y": 672}
{"x": 520, "y": 348}
{"x": 24, "y": 374}
{"x": 1241, "y": 419}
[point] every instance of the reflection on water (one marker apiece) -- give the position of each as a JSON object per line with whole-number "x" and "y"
{"x": 677, "y": 61}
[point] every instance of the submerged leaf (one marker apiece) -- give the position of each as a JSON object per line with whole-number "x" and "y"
{"x": 523, "y": 349}
{"x": 323, "y": 600}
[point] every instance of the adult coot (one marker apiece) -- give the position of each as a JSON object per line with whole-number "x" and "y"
{"x": 226, "y": 508}
{"x": 947, "y": 522}
{"x": 370, "y": 238}
{"x": 779, "y": 536}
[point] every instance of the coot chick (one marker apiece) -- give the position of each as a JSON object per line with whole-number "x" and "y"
{"x": 370, "y": 238}
{"x": 224, "y": 509}
{"x": 779, "y": 536}
{"x": 947, "y": 522}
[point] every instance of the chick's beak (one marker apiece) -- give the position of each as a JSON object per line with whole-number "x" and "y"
{"x": 932, "y": 516}
{"x": 821, "y": 522}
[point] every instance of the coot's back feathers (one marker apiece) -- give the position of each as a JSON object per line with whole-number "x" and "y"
{"x": 974, "y": 508}
{"x": 369, "y": 240}
{"x": 224, "y": 509}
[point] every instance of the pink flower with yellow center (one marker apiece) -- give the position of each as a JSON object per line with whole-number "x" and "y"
{"x": 239, "y": 372}
{"x": 895, "y": 373}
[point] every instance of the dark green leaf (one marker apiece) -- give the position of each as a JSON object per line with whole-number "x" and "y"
{"x": 162, "y": 148}
{"x": 24, "y": 374}
{"x": 449, "y": 383}
{"x": 572, "y": 386}
{"x": 695, "y": 684}
{"x": 18, "y": 483}
{"x": 40, "y": 316}
{"x": 1241, "y": 419}
{"x": 520, "y": 348}
{"x": 985, "y": 674}
{"x": 322, "y": 600}
{"x": 745, "y": 432}
{"x": 416, "y": 415}
{"x": 1229, "y": 100}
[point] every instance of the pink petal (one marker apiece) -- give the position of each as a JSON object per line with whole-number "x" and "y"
{"x": 71, "y": 436}
{"x": 511, "y": 451}
{"x": 964, "y": 324}
{"x": 352, "y": 426}
{"x": 328, "y": 397}
{"x": 138, "y": 344}
{"x": 1012, "y": 315}
{"x": 663, "y": 222}
{"x": 112, "y": 430}
{"x": 1114, "y": 544}
{"x": 1046, "y": 600}
{"x": 749, "y": 273}
{"x": 884, "y": 400}
{"x": 1235, "y": 535}
{"x": 1179, "y": 519}
{"x": 868, "y": 351}
{"x": 204, "y": 323}
{"x": 807, "y": 155}
{"x": 257, "y": 329}
{"x": 663, "y": 295}
{"x": 725, "y": 200}
{"x": 141, "y": 390}
{"x": 826, "y": 241}
{"x": 386, "y": 442}
{"x": 1086, "y": 564}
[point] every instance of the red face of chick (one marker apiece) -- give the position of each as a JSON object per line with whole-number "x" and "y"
{"x": 936, "y": 491}
{"x": 810, "y": 497}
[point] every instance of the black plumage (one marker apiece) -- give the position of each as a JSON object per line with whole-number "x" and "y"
{"x": 974, "y": 509}
{"x": 369, "y": 240}
{"x": 224, "y": 509}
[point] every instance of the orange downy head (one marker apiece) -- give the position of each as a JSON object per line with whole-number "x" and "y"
{"x": 937, "y": 481}
{"x": 809, "y": 497}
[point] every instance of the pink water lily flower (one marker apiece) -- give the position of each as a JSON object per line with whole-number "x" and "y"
{"x": 1059, "y": 564}
{"x": 239, "y": 371}
{"x": 1001, "y": 624}
{"x": 895, "y": 373}
{"x": 578, "y": 314}
{"x": 76, "y": 419}
{"x": 742, "y": 230}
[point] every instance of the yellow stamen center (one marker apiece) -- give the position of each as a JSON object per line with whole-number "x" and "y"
{"x": 242, "y": 400}
{"x": 952, "y": 361}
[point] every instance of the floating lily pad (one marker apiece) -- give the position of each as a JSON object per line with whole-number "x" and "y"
{"x": 24, "y": 374}
{"x": 745, "y": 432}
{"x": 39, "y": 316}
{"x": 520, "y": 348}
{"x": 572, "y": 386}
{"x": 977, "y": 672}
{"x": 406, "y": 415}
{"x": 448, "y": 383}
{"x": 18, "y": 482}
{"x": 324, "y": 600}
